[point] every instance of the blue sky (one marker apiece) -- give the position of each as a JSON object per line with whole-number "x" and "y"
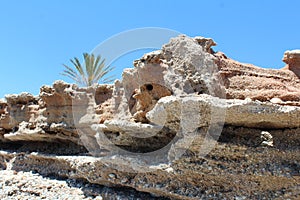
{"x": 37, "y": 37}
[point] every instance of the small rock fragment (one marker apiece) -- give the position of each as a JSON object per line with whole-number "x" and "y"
{"x": 267, "y": 139}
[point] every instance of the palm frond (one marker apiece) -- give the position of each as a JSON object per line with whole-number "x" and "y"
{"x": 102, "y": 70}
{"x": 92, "y": 71}
{"x": 109, "y": 79}
{"x": 98, "y": 58}
{"x": 69, "y": 69}
{"x": 103, "y": 73}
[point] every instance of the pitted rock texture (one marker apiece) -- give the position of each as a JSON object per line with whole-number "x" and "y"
{"x": 220, "y": 129}
{"x": 190, "y": 66}
{"x": 183, "y": 66}
{"x": 147, "y": 96}
{"x": 49, "y": 116}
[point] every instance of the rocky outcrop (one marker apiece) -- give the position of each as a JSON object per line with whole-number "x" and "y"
{"x": 241, "y": 113}
{"x": 185, "y": 67}
{"x": 238, "y": 166}
{"x": 185, "y": 123}
{"x": 247, "y": 81}
{"x": 292, "y": 59}
{"x": 49, "y": 116}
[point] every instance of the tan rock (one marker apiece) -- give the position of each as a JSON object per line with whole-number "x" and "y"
{"x": 183, "y": 66}
{"x": 292, "y": 59}
{"x": 242, "y": 113}
{"x": 4, "y": 118}
{"x": 147, "y": 96}
{"x": 183, "y": 94}
{"x": 206, "y": 43}
{"x": 243, "y": 81}
{"x": 50, "y": 116}
{"x": 189, "y": 66}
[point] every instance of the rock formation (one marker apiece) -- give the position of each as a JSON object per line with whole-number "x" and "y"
{"x": 48, "y": 116}
{"x": 185, "y": 123}
{"x": 292, "y": 59}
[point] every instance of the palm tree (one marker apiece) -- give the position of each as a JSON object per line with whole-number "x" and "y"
{"x": 92, "y": 71}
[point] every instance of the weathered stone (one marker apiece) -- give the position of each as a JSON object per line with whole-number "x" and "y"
{"x": 189, "y": 66}
{"x": 185, "y": 123}
{"x": 243, "y": 81}
{"x": 50, "y": 116}
{"x": 206, "y": 43}
{"x": 183, "y": 66}
{"x": 211, "y": 110}
{"x": 23, "y": 98}
{"x": 4, "y": 117}
{"x": 191, "y": 177}
{"x": 292, "y": 59}
{"x": 146, "y": 97}
{"x": 267, "y": 139}
{"x": 135, "y": 129}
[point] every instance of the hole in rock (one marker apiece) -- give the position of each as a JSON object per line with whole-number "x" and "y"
{"x": 149, "y": 87}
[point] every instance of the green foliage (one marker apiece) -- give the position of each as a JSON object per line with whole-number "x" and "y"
{"x": 92, "y": 71}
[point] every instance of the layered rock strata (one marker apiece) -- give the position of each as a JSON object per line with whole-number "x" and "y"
{"x": 49, "y": 116}
{"x": 218, "y": 128}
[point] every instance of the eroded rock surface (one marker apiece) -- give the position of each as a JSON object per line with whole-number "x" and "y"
{"x": 147, "y": 96}
{"x": 49, "y": 116}
{"x": 292, "y": 59}
{"x": 218, "y": 128}
{"x": 183, "y": 66}
{"x": 248, "y": 81}
{"x": 243, "y": 113}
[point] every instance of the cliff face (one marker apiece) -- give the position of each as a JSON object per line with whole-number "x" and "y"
{"x": 184, "y": 123}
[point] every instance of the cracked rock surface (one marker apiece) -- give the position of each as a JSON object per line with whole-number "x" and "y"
{"x": 185, "y": 123}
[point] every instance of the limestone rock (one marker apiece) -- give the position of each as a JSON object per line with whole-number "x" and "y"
{"x": 292, "y": 59}
{"x": 146, "y": 97}
{"x": 23, "y": 98}
{"x": 189, "y": 66}
{"x": 4, "y": 117}
{"x": 184, "y": 123}
{"x": 189, "y": 178}
{"x": 183, "y": 66}
{"x": 135, "y": 129}
{"x": 243, "y": 81}
{"x": 206, "y": 43}
{"x": 50, "y": 116}
{"x": 211, "y": 110}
